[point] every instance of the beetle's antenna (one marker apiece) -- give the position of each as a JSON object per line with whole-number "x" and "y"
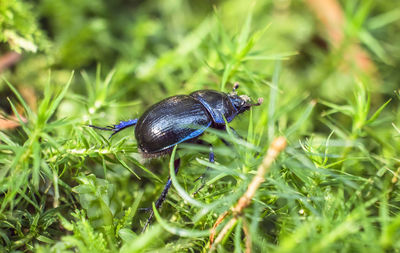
{"x": 235, "y": 87}
{"x": 116, "y": 128}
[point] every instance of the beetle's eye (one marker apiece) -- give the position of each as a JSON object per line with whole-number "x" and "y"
{"x": 237, "y": 102}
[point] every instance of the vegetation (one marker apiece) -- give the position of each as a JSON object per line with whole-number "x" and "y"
{"x": 332, "y": 92}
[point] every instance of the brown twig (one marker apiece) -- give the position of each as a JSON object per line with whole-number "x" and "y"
{"x": 10, "y": 123}
{"x": 223, "y": 232}
{"x": 275, "y": 148}
{"x": 247, "y": 236}
{"x": 216, "y": 224}
{"x": 9, "y": 59}
{"x": 330, "y": 13}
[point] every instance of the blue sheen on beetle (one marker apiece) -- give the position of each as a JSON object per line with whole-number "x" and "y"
{"x": 182, "y": 118}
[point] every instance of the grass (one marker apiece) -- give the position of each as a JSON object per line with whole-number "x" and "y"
{"x": 66, "y": 187}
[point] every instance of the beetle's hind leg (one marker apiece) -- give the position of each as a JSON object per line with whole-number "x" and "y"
{"x": 211, "y": 160}
{"x": 118, "y": 127}
{"x": 163, "y": 195}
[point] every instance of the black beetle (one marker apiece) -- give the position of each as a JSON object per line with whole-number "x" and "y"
{"x": 182, "y": 118}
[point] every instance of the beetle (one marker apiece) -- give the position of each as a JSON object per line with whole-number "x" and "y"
{"x": 182, "y": 118}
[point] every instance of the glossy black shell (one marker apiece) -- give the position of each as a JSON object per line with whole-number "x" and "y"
{"x": 169, "y": 122}
{"x": 218, "y": 104}
{"x": 181, "y": 118}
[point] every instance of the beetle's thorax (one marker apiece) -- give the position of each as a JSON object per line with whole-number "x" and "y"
{"x": 218, "y": 104}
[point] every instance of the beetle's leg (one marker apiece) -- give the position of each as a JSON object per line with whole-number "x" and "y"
{"x": 163, "y": 195}
{"x": 211, "y": 160}
{"x": 117, "y": 128}
{"x": 237, "y": 136}
{"x": 227, "y": 143}
{"x": 236, "y": 133}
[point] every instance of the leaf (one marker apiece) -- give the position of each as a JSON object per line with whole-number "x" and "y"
{"x": 377, "y": 113}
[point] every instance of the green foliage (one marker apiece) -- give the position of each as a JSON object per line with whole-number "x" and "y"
{"x": 65, "y": 187}
{"x": 98, "y": 198}
{"x": 19, "y": 26}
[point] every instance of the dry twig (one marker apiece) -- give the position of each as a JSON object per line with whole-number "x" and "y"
{"x": 331, "y": 15}
{"x": 275, "y": 148}
{"x": 9, "y": 59}
{"x": 12, "y": 121}
{"x": 247, "y": 236}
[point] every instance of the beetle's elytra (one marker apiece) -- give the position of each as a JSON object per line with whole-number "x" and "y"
{"x": 182, "y": 118}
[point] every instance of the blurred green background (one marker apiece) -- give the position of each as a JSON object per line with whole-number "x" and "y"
{"x": 146, "y": 41}
{"x": 127, "y": 55}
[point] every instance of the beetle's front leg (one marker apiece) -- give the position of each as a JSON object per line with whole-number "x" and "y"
{"x": 163, "y": 195}
{"x": 236, "y": 134}
{"x": 227, "y": 143}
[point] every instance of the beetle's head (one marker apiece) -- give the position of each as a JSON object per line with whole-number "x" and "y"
{"x": 243, "y": 102}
